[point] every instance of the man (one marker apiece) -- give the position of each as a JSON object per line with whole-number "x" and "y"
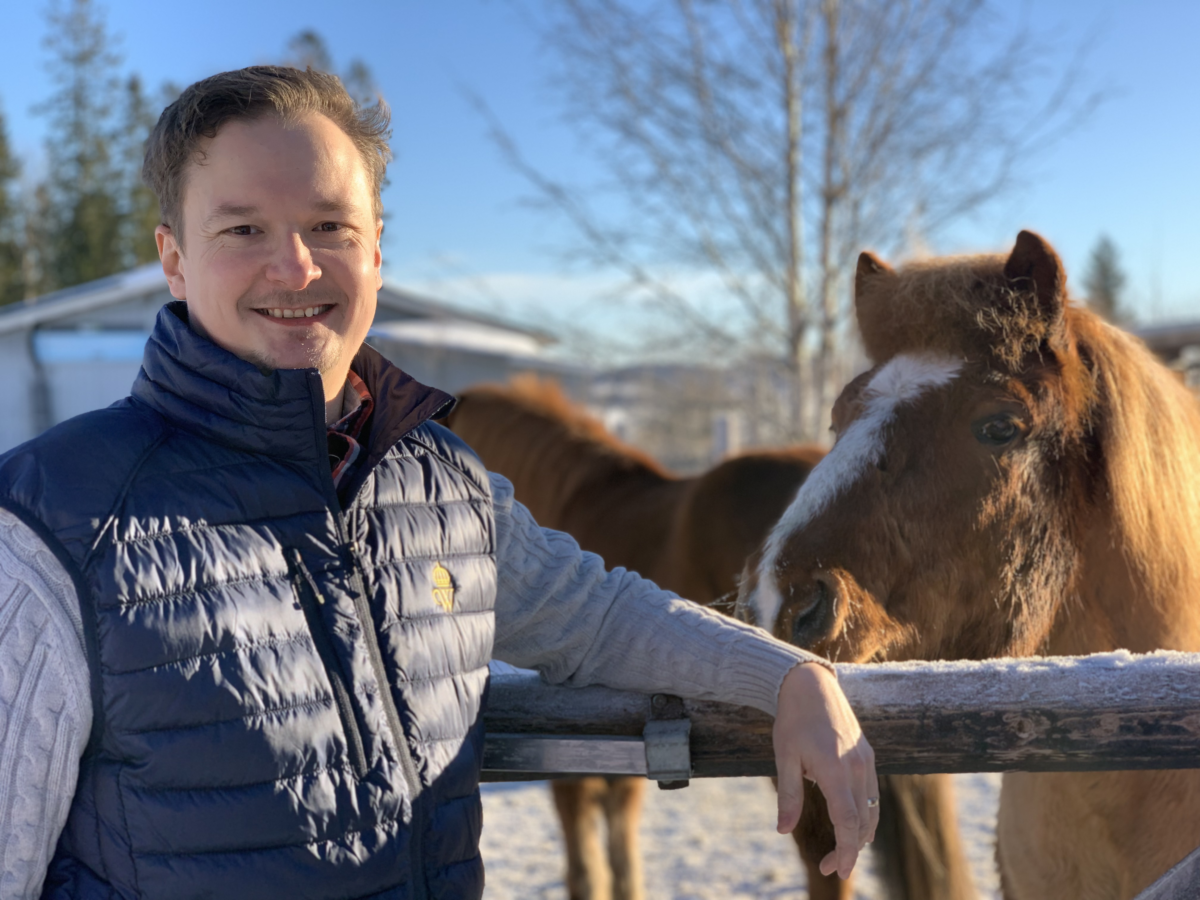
{"x": 246, "y": 614}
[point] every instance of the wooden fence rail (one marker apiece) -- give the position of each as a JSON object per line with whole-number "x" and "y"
{"x": 1104, "y": 712}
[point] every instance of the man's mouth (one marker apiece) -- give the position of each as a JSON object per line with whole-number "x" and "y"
{"x": 306, "y": 312}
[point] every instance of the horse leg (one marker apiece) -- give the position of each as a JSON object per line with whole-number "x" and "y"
{"x": 578, "y": 803}
{"x": 623, "y": 810}
{"x": 917, "y": 841}
{"x": 815, "y": 839}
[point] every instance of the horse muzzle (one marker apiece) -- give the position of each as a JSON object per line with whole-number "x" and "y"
{"x": 816, "y": 604}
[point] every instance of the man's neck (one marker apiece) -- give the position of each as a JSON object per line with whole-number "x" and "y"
{"x": 335, "y": 398}
{"x": 333, "y": 408}
{"x": 334, "y": 382}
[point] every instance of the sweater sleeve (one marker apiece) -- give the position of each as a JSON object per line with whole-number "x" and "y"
{"x": 560, "y": 611}
{"x": 45, "y": 705}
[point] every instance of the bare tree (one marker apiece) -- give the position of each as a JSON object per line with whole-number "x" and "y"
{"x": 765, "y": 142}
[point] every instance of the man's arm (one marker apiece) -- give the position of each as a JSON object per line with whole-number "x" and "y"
{"x": 45, "y": 705}
{"x": 559, "y": 611}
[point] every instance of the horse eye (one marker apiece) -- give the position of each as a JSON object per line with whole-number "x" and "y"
{"x": 997, "y": 430}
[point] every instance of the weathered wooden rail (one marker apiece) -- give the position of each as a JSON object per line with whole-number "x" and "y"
{"x": 1104, "y": 712}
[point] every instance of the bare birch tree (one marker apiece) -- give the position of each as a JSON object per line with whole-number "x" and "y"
{"x": 765, "y": 142}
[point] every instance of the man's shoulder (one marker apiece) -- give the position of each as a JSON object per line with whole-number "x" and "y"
{"x": 449, "y": 447}
{"x": 79, "y": 462}
{"x": 115, "y": 430}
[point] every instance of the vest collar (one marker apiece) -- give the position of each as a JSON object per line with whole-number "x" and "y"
{"x": 204, "y": 389}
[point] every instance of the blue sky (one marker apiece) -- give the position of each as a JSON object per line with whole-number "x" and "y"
{"x": 457, "y": 225}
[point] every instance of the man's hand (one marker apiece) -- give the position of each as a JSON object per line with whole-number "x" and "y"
{"x": 816, "y": 736}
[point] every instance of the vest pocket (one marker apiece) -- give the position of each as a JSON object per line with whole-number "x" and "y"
{"x": 311, "y": 601}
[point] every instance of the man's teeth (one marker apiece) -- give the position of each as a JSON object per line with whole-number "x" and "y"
{"x": 297, "y": 313}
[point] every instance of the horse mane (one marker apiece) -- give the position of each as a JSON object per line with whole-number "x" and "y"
{"x": 1148, "y": 425}
{"x": 546, "y": 445}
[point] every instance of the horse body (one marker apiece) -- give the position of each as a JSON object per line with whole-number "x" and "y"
{"x": 1012, "y": 477}
{"x": 691, "y": 536}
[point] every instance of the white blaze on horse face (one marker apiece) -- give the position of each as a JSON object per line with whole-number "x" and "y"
{"x": 902, "y": 380}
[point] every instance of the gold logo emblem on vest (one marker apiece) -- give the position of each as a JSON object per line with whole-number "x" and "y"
{"x": 443, "y": 587}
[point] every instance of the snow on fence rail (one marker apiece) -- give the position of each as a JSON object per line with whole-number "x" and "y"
{"x": 1109, "y": 711}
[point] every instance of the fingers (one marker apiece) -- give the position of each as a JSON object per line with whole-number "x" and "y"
{"x": 847, "y": 809}
{"x": 790, "y": 773}
{"x": 871, "y": 821}
{"x": 860, "y": 788}
{"x": 817, "y": 736}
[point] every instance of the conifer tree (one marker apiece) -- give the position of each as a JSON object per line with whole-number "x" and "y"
{"x": 83, "y": 230}
{"x": 308, "y": 49}
{"x": 12, "y": 282}
{"x": 140, "y": 212}
{"x": 1104, "y": 281}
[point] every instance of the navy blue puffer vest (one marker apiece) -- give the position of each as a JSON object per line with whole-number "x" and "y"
{"x": 287, "y": 688}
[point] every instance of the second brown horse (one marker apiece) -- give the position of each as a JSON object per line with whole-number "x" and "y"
{"x": 691, "y": 536}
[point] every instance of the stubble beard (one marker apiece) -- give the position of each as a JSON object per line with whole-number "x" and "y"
{"x": 318, "y": 349}
{"x": 317, "y": 353}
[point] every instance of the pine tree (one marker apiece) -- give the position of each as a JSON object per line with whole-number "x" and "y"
{"x": 84, "y": 229}
{"x": 308, "y": 49}
{"x": 12, "y": 281}
{"x": 1104, "y": 281}
{"x": 140, "y": 213}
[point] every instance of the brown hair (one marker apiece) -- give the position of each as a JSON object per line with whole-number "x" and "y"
{"x": 250, "y": 93}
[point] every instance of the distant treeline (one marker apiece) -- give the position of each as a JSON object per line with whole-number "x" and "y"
{"x": 89, "y": 215}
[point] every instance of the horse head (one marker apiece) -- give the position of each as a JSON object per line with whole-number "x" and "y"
{"x": 972, "y": 494}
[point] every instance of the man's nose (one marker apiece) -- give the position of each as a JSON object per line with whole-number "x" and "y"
{"x": 292, "y": 265}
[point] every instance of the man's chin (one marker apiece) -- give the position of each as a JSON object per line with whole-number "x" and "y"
{"x": 323, "y": 357}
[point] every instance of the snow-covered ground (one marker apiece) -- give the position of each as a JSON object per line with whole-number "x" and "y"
{"x": 714, "y": 840}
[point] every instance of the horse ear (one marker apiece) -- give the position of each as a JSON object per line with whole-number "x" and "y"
{"x": 869, "y": 265}
{"x": 872, "y": 271}
{"x": 873, "y": 305}
{"x": 1034, "y": 266}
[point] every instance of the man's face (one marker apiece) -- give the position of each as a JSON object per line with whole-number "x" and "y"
{"x": 282, "y": 257}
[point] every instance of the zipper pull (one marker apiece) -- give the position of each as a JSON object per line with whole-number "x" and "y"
{"x": 303, "y": 575}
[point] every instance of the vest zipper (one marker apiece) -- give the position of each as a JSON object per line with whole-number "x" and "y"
{"x": 408, "y": 765}
{"x": 311, "y": 601}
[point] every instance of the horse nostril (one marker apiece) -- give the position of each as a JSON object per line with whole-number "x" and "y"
{"x": 816, "y": 611}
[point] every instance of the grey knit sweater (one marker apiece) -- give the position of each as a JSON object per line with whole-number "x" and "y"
{"x": 557, "y": 610}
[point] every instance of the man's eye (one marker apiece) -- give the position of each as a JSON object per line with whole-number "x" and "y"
{"x": 242, "y": 229}
{"x": 328, "y": 226}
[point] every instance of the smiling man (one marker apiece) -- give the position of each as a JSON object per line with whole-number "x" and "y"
{"x": 246, "y": 614}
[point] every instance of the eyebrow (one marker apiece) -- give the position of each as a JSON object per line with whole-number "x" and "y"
{"x": 230, "y": 211}
{"x": 335, "y": 206}
{"x": 238, "y": 211}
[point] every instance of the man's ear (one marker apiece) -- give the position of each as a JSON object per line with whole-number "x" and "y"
{"x": 171, "y": 257}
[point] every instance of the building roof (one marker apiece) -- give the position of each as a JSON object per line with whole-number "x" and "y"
{"x": 146, "y": 280}
{"x": 1169, "y": 339}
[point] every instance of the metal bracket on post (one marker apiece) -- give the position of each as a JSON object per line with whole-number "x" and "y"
{"x": 667, "y": 737}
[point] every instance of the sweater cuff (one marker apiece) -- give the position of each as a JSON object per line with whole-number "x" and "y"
{"x": 758, "y": 669}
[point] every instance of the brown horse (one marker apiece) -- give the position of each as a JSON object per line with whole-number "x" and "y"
{"x": 691, "y": 536}
{"x": 1014, "y": 476}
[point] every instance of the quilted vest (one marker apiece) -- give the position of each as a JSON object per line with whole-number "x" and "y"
{"x": 287, "y": 688}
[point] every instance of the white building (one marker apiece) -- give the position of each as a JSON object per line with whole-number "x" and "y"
{"x": 1178, "y": 345}
{"x": 79, "y": 349}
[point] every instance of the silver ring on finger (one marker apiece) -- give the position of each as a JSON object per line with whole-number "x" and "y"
{"x": 872, "y": 802}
